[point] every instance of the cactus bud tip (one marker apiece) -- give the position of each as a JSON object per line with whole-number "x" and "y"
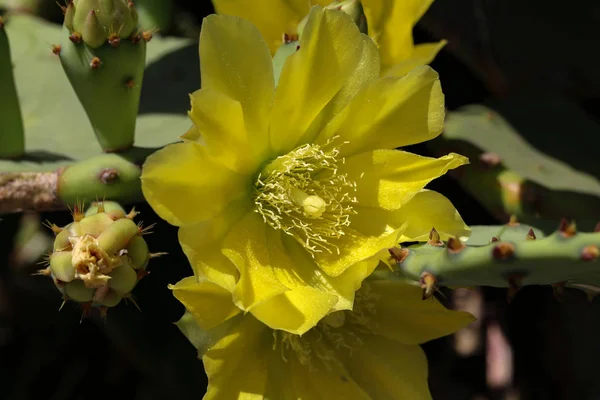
{"x": 398, "y": 254}
{"x": 567, "y": 229}
{"x": 95, "y": 63}
{"x": 455, "y": 245}
{"x": 75, "y": 37}
{"x": 530, "y": 235}
{"x": 56, "y": 48}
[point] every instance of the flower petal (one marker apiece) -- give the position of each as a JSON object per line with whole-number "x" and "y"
{"x": 208, "y": 302}
{"x": 427, "y": 210}
{"x": 386, "y": 369}
{"x": 422, "y": 54}
{"x": 273, "y": 18}
{"x": 390, "y": 178}
{"x": 203, "y": 339}
{"x": 392, "y": 112}
{"x": 202, "y": 243}
{"x": 220, "y": 122}
{"x": 330, "y": 50}
{"x": 236, "y": 365}
{"x": 403, "y": 316}
{"x": 184, "y": 185}
{"x": 235, "y": 60}
{"x": 390, "y": 25}
{"x": 312, "y": 293}
{"x": 247, "y": 248}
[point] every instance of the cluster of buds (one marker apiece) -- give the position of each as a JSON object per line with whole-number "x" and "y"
{"x": 98, "y": 258}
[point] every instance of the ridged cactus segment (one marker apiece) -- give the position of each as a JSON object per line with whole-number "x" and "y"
{"x": 104, "y": 57}
{"x": 12, "y": 134}
{"x": 91, "y": 262}
{"x": 563, "y": 258}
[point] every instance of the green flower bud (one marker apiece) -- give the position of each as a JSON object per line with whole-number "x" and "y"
{"x": 76, "y": 290}
{"x": 61, "y": 266}
{"x": 138, "y": 252}
{"x": 123, "y": 279}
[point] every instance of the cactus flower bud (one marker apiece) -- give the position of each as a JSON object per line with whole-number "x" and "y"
{"x": 97, "y": 259}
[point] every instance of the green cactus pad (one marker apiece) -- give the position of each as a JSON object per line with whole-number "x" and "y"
{"x": 57, "y": 130}
{"x": 12, "y": 137}
{"x": 513, "y": 256}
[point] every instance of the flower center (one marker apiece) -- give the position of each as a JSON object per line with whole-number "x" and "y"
{"x": 339, "y": 330}
{"x": 303, "y": 194}
{"x": 91, "y": 263}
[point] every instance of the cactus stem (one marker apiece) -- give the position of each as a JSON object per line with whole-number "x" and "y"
{"x": 503, "y": 251}
{"x": 427, "y": 282}
{"x": 56, "y": 48}
{"x": 590, "y": 253}
{"x": 114, "y": 40}
{"x": 530, "y": 235}
{"x": 398, "y": 255}
{"x": 455, "y": 245}
{"x": 434, "y": 238}
{"x": 95, "y": 63}
{"x": 75, "y": 37}
{"x": 558, "y": 289}
{"x": 514, "y": 285}
{"x": 567, "y": 229}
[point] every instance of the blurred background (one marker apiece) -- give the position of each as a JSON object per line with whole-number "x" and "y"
{"x": 532, "y": 63}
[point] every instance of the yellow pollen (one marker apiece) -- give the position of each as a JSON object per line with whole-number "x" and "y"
{"x": 303, "y": 194}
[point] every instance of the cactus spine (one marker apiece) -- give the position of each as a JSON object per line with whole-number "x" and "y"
{"x": 12, "y": 135}
{"x": 103, "y": 55}
{"x": 98, "y": 258}
{"x": 517, "y": 255}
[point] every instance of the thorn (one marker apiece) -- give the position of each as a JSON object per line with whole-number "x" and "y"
{"x": 95, "y": 63}
{"x": 100, "y": 205}
{"x": 53, "y": 227}
{"x": 114, "y": 40}
{"x": 590, "y": 253}
{"x": 147, "y": 230}
{"x": 43, "y": 272}
{"x": 148, "y": 35}
{"x": 513, "y": 221}
{"x": 567, "y": 229}
{"x": 434, "y": 238}
{"x": 530, "y": 235}
{"x": 455, "y": 245}
{"x": 503, "y": 251}
{"x": 63, "y": 8}
{"x": 558, "y": 289}
{"x": 77, "y": 211}
{"x": 597, "y": 227}
{"x": 130, "y": 297}
{"x": 427, "y": 282}
{"x": 142, "y": 273}
{"x": 75, "y": 37}
{"x": 130, "y": 83}
{"x": 514, "y": 285}
{"x": 398, "y": 254}
{"x": 56, "y": 49}
{"x": 164, "y": 253}
{"x": 65, "y": 299}
{"x": 132, "y": 214}
{"x": 85, "y": 310}
{"x": 495, "y": 239}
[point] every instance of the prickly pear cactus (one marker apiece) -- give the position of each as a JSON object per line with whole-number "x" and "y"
{"x": 12, "y": 137}
{"x": 512, "y": 256}
{"x": 103, "y": 55}
{"x": 98, "y": 258}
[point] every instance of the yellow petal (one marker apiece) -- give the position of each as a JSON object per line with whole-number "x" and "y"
{"x": 235, "y": 60}
{"x": 312, "y": 293}
{"x": 192, "y": 135}
{"x": 209, "y": 303}
{"x": 386, "y": 369}
{"x": 370, "y": 231}
{"x": 392, "y": 112}
{"x": 202, "y": 243}
{"x": 295, "y": 311}
{"x": 429, "y": 209}
{"x": 247, "y": 248}
{"x": 390, "y": 178}
{"x": 203, "y": 339}
{"x": 330, "y": 50}
{"x": 390, "y": 25}
{"x": 184, "y": 185}
{"x": 422, "y": 54}
{"x": 403, "y": 316}
{"x": 273, "y": 18}
{"x": 220, "y": 120}
{"x": 236, "y": 365}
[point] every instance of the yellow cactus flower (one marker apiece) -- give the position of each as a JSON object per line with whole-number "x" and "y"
{"x": 371, "y": 352}
{"x": 390, "y": 24}
{"x": 284, "y": 194}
